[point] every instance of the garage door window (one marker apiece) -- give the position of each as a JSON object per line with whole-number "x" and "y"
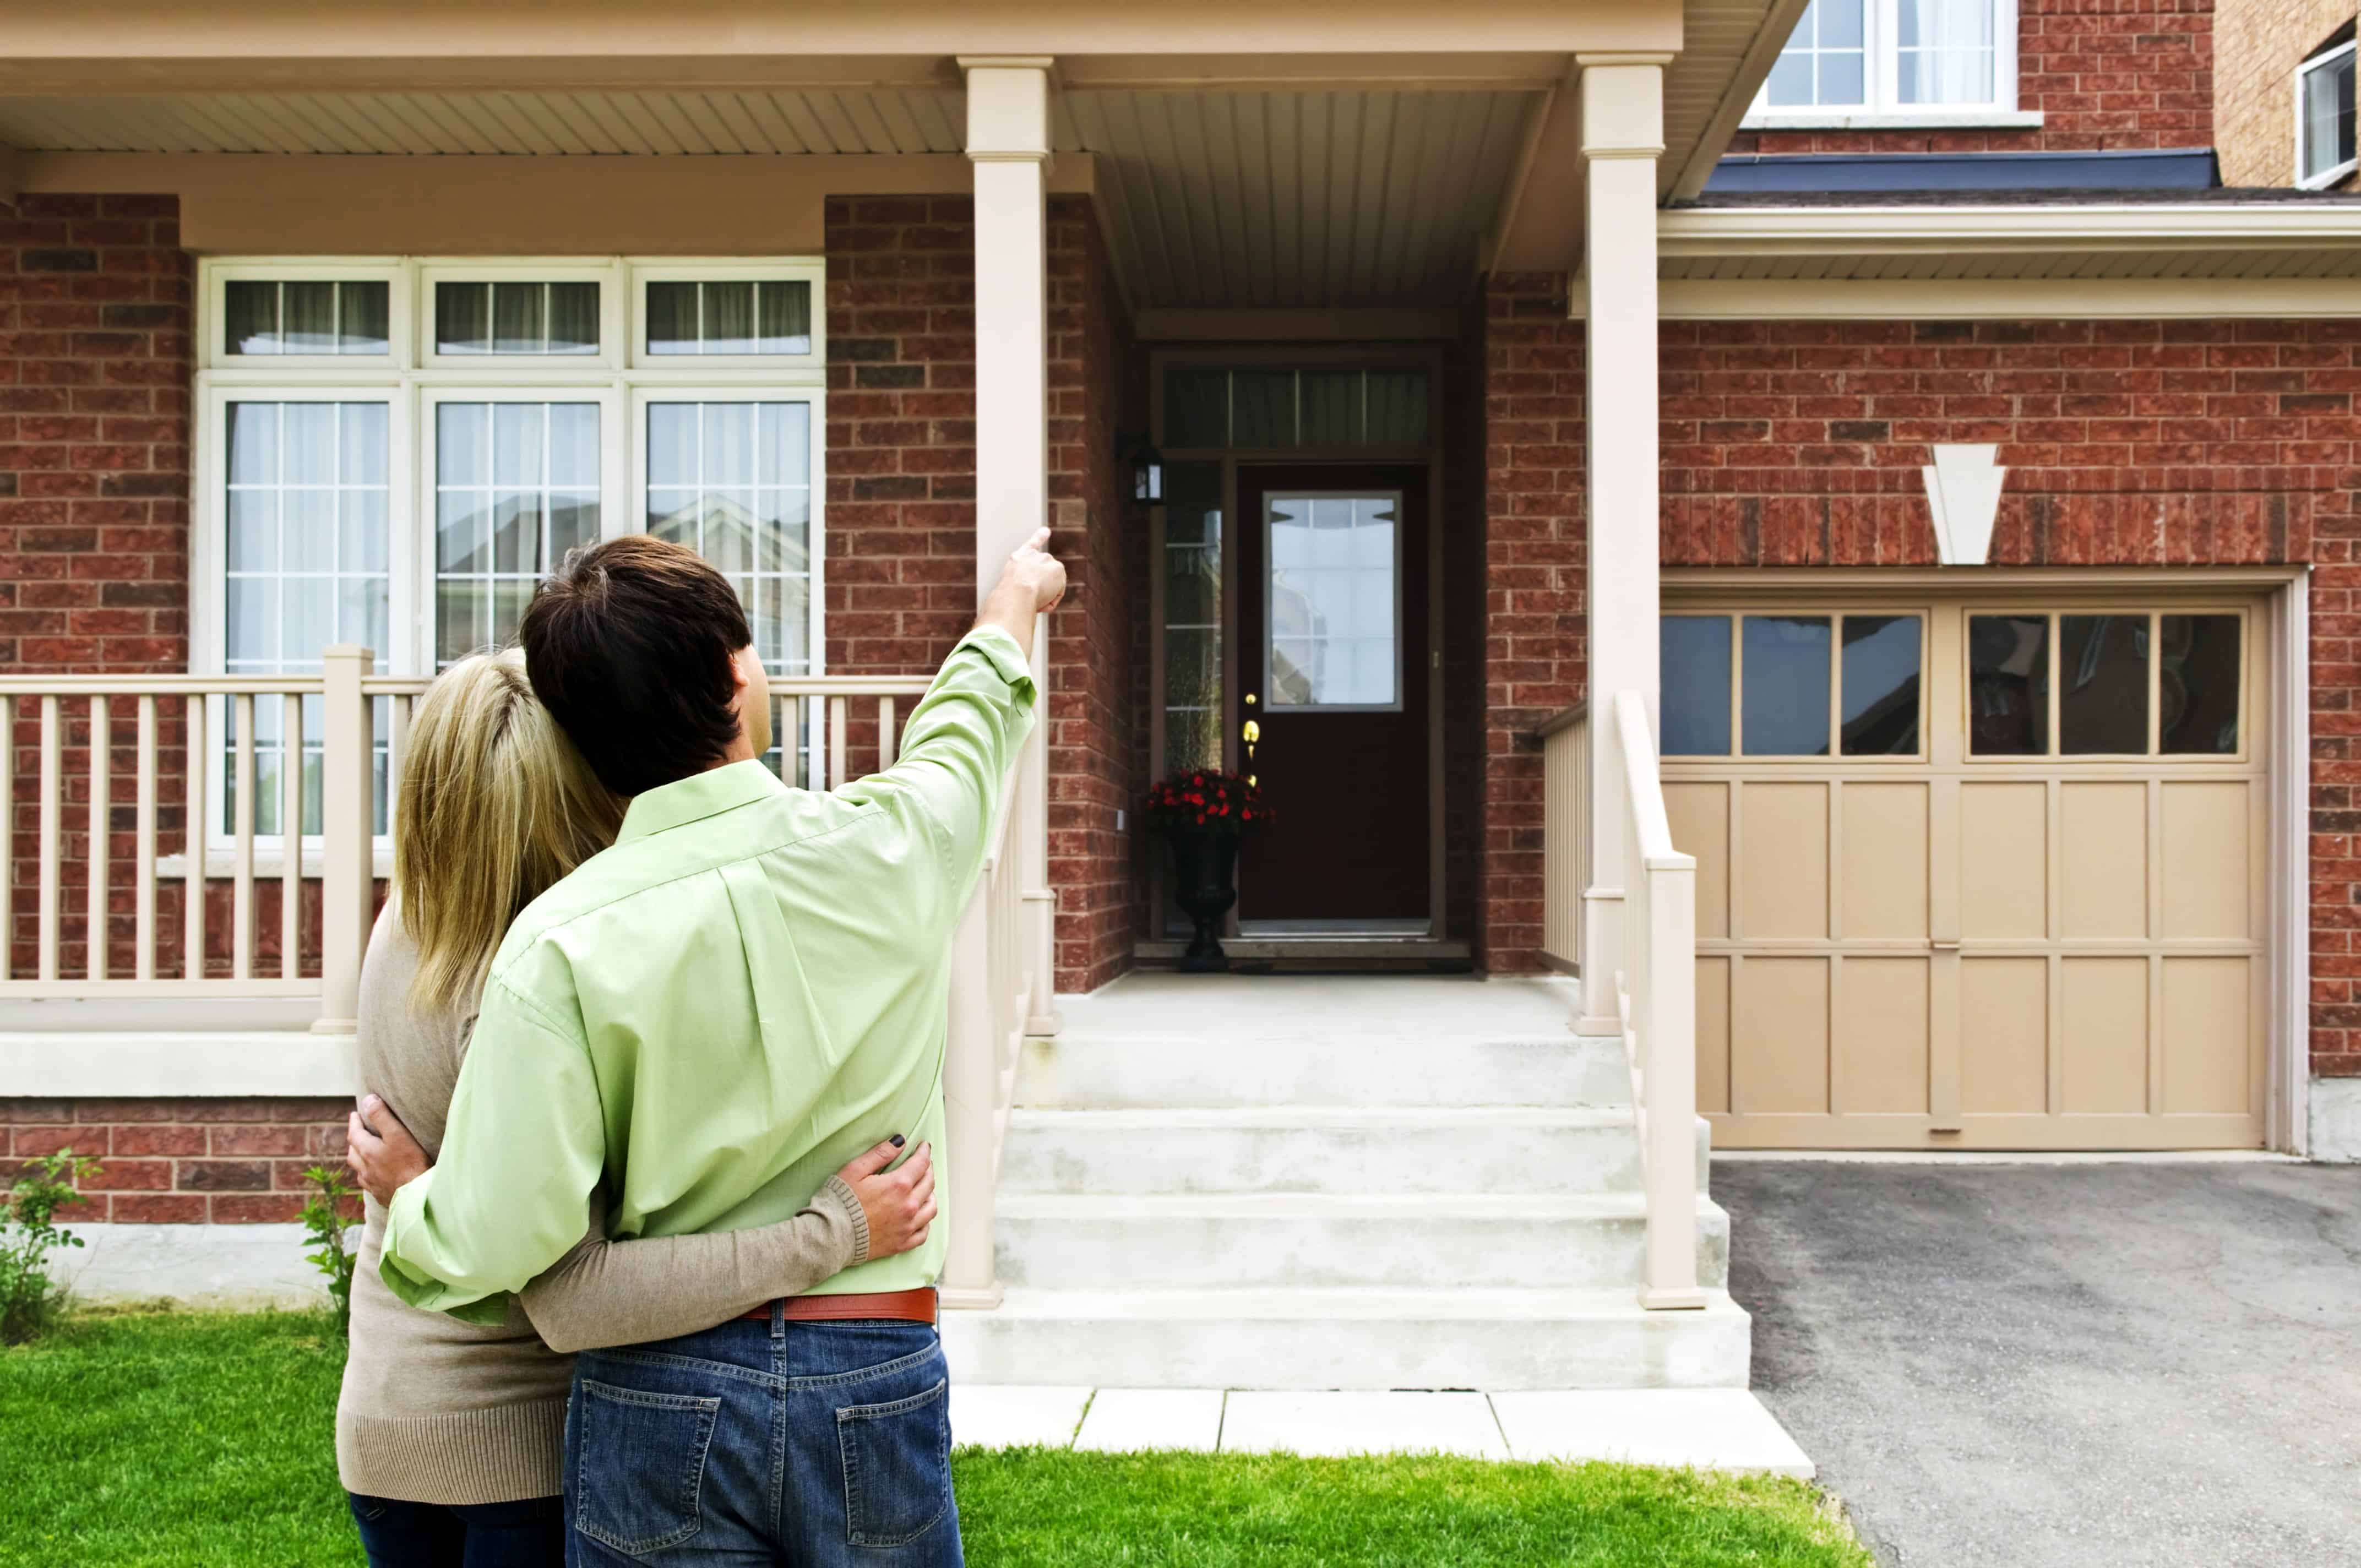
{"x": 1793, "y": 685}
{"x": 2121, "y": 684}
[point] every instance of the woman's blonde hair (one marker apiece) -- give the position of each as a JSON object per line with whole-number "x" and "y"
{"x": 495, "y": 805}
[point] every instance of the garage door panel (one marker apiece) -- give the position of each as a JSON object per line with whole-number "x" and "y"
{"x": 2102, "y": 859}
{"x": 2207, "y": 1051}
{"x": 1884, "y": 859}
{"x": 1783, "y": 1005}
{"x": 2004, "y": 1036}
{"x": 2202, "y": 862}
{"x": 2005, "y": 860}
{"x": 1783, "y": 845}
{"x": 1881, "y": 1035}
{"x": 2105, "y": 1018}
{"x": 1713, "y": 1034}
{"x": 1699, "y": 817}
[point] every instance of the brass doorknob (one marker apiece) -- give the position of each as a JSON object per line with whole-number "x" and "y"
{"x": 1252, "y": 732}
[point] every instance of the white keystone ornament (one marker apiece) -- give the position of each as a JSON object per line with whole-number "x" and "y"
{"x": 1964, "y": 493}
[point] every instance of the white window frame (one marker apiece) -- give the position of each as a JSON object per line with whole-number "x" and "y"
{"x": 413, "y": 380}
{"x": 2326, "y": 177}
{"x": 1881, "y": 32}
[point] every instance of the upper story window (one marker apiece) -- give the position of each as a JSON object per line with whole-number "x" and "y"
{"x": 2324, "y": 152}
{"x": 1901, "y": 58}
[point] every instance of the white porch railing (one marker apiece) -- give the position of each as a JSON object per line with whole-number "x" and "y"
{"x": 1655, "y": 971}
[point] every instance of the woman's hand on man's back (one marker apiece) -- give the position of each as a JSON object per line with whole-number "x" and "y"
{"x": 900, "y": 1204}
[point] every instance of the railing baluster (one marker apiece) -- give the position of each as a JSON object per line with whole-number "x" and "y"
{"x": 840, "y": 757}
{"x": 198, "y": 765}
{"x": 791, "y": 740}
{"x": 51, "y": 807}
{"x": 143, "y": 849}
{"x": 291, "y": 836}
{"x": 101, "y": 770}
{"x": 888, "y": 746}
{"x": 241, "y": 887}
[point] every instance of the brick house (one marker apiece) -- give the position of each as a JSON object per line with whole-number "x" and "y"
{"x": 1985, "y": 369}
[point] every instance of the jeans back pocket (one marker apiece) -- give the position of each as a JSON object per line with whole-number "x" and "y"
{"x": 641, "y": 1465}
{"x": 898, "y": 1467}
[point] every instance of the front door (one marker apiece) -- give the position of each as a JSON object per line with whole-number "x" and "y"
{"x": 1331, "y": 653}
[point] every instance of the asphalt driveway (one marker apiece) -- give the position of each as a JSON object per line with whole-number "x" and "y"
{"x": 2143, "y": 1365}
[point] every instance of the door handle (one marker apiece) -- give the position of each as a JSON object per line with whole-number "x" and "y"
{"x": 1251, "y": 733}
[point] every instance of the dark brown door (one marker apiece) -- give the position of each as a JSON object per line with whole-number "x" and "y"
{"x": 1332, "y": 661}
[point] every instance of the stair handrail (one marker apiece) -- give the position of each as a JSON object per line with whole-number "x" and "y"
{"x": 1657, "y": 994}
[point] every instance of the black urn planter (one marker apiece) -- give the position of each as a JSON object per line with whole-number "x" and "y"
{"x": 1204, "y": 881}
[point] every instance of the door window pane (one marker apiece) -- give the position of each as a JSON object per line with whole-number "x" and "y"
{"x": 732, "y": 480}
{"x": 2197, "y": 684}
{"x": 2008, "y": 685}
{"x": 275, "y": 316}
{"x": 2102, "y": 684}
{"x": 1785, "y": 675}
{"x": 516, "y": 318}
{"x": 1880, "y": 676}
{"x": 516, "y": 486}
{"x": 1695, "y": 651}
{"x": 1332, "y": 616}
{"x": 1193, "y": 616}
{"x": 730, "y": 316}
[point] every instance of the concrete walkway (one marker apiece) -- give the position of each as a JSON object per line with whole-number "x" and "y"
{"x": 2144, "y": 1366}
{"x": 1718, "y": 1429}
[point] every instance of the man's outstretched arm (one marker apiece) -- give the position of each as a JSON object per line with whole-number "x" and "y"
{"x": 510, "y": 1192}
{"x": 1030, "y": 585}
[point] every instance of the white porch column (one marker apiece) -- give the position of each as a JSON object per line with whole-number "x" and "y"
{"x": 1623, "y": 136}
{"x": 1008, "y": 145}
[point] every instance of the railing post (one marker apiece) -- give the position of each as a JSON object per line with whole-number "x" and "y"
{"x": 971, "y": 1078}
{"x": 1672, "y": 1085}
{"x": 347, "y": 838}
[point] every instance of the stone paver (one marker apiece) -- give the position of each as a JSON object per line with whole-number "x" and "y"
{"x": 1123, "y": 1421}
{"x": 1360, "y": 1422}
{"x": 1705, "y": 1428}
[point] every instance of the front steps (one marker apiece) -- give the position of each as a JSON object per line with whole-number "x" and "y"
{"x": 1371, "y": 1182}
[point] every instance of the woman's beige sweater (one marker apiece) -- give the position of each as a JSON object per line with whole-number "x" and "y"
{"x": 436, "y": 1410}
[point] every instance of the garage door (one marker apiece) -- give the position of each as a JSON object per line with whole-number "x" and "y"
{"x": 1974, "y": 872}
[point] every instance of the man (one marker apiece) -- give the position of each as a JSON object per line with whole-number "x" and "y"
{"x": 706, "y": 1020}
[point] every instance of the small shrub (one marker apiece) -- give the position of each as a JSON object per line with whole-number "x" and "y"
{"x": 28, "y": 1234}
{"x": 325, "y": 1216}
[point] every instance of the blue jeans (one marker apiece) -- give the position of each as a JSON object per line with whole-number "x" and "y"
{"x": 814, "y": 1444}
{"x": 395, "y": 1534}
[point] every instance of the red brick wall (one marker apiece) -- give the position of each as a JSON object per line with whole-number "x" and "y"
{"x": 1097, "y": 755}
{"x": 1798, "y": 444}
{"x": 901, "y": 512}
{"x": 2105, "y": 73}
{"x": 94, "y": 386}
{"x": 179, "y": 1161}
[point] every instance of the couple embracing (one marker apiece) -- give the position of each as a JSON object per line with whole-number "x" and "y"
{"x": 651, "y": 1047}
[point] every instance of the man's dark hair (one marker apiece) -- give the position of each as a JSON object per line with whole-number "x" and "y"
{"x": 629, "y": 646}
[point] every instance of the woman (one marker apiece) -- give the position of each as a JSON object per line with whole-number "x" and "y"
{"x": 450, "y": 1437}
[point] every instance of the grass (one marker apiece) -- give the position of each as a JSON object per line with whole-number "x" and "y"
{"x": 172, "y": 1440}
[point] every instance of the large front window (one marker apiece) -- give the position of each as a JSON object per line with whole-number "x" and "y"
{"x": 1899, "y": 58}
{"x": 394, "y": 453}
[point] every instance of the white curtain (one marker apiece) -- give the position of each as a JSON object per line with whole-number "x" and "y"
{"x": 1946, "y": 50}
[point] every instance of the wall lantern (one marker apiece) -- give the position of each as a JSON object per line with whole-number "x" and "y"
{"x": 1146, "y": 468}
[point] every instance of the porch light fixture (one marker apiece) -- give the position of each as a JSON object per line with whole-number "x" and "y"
{"x": 1146, "y": 468}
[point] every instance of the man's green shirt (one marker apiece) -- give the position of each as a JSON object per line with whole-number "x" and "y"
{"x": 710, "y": 1017}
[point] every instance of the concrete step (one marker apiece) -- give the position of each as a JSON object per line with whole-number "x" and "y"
{"x": 1324, "y": 1148}
{"x": 1443, "y": 1338}
{"x": 1261, "y": 1239}
{"x": 1081, "y": 1070}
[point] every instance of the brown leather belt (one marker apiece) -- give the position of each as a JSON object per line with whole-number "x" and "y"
{"x": 903, "y": 1306}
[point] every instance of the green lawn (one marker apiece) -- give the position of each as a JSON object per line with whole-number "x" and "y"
{"x": 171, "y": 1441}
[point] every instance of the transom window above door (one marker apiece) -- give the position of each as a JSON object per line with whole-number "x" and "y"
{"x": 1851, "y": 60}
{"x": 396, "y": 453}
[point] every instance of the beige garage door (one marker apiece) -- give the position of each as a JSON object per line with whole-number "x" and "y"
{"x": 1976, "y": 873}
